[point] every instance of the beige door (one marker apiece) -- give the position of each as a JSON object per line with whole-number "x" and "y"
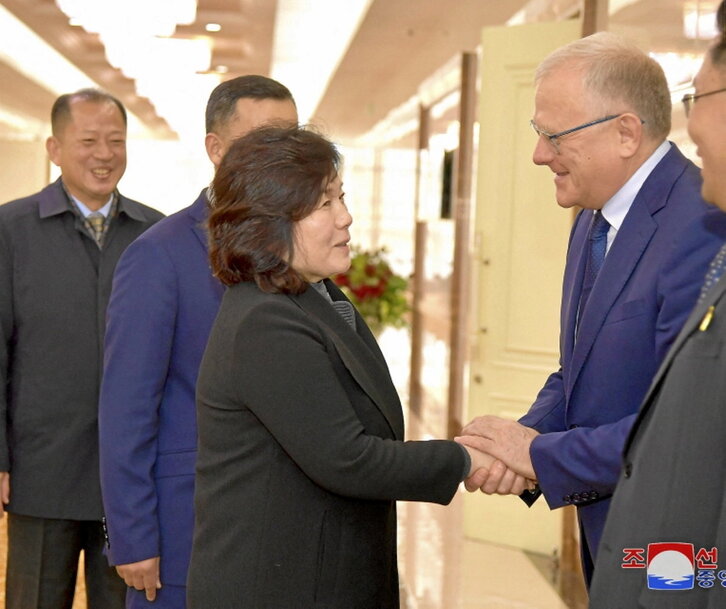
{"x": 520, "y": 241}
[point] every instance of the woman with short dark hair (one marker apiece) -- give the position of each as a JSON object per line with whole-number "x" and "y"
{"x": 301, "y": 451}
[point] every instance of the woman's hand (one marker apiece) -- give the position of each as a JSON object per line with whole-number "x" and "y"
{"x": 492, "y": 476}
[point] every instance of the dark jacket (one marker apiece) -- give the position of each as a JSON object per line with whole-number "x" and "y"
{"x": 300, "y": 460}
{"x": 54, "y": 287}
{"x": 673, "y": 487}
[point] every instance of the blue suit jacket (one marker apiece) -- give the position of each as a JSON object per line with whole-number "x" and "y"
{"x": 647, "y": 286}
{"x": 162, "y": 307}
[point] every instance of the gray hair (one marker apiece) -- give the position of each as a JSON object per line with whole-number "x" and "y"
{"x": 618, "y": 77}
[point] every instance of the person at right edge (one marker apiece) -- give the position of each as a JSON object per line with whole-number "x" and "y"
{"x": 664, "y": 545}
{"x": 602, "y": 114}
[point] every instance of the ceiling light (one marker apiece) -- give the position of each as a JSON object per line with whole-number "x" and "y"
{"x": 137, "y": 56}
{"x": 303, "y": 58}
{"x": 152, "y": 17}
{"x": 699, "y": 20}
{"x": 173, "y": 73}
{"x": 213, "y": 27}
{"x": 42, "y": 64}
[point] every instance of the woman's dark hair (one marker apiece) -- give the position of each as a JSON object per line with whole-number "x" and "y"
{"x": 718, "y": 51}
{"x": 268, "y": 180}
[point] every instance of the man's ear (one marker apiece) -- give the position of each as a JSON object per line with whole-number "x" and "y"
{"x": 215, "y": 148}
{"x": 630, "y": 134}
{"x": 52, "y": 147}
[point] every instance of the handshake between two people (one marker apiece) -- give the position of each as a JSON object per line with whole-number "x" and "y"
{"x": 499, "y": 451}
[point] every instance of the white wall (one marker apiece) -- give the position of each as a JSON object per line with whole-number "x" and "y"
{"x": 23, "y": 168}
{"x": 167, "y": 175}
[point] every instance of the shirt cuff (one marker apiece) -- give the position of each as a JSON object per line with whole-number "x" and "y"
{"x": 467, "y": 463}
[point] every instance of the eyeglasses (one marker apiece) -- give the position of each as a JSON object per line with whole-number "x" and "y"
{"x": 690, "y": 98}
{"x": 553, "y": 138}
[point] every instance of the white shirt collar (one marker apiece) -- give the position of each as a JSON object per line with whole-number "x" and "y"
{"x": 85, "y": 211}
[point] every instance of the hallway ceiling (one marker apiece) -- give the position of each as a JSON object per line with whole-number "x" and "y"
{"x": 399, "y": 44}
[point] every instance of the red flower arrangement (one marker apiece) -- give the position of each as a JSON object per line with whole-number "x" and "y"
{"x": 375, "y": 290}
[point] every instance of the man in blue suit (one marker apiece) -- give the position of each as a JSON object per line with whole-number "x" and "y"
{"x": 162, "y": 306}
{"x": 602, "y": 115}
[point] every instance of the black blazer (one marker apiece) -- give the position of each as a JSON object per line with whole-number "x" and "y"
{"x": 54, "y": 287}
{"x": 300, "y": 460}
{"x": 672, "y": 487}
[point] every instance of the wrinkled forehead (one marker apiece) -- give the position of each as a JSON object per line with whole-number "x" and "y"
{"x": 560, "y": 99}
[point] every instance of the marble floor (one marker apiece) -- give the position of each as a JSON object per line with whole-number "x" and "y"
{"x": 440, "y": 569}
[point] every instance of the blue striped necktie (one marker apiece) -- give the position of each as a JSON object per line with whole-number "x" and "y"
{"x": 597, "y": 239}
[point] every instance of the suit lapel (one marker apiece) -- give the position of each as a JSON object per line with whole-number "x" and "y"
{"x": 694, "y": 319}
{"x": 359, "y": 352}
{"x": 692, "y": 323}
{"x": 361, "y": 327}
{"x": 572, "y": 287}
{"x": 198, "y": 212}
{"x": 54, "y": 202}
{"x": 633, "y": 237}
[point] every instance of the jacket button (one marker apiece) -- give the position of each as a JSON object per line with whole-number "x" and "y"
{"x": 105, "y": 533}
{"x": 594, "y": 495}
{"x": 628, "y": 470}
{"x": 567, "y": 499}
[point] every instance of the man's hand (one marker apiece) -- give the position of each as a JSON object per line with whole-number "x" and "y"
{"x": 4, "y": 491}
{"x": 504, "y": 439}
{"x": 142, "y": 575}
{"x": 491, "y": 475}
{"x": 503, "y": 481}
